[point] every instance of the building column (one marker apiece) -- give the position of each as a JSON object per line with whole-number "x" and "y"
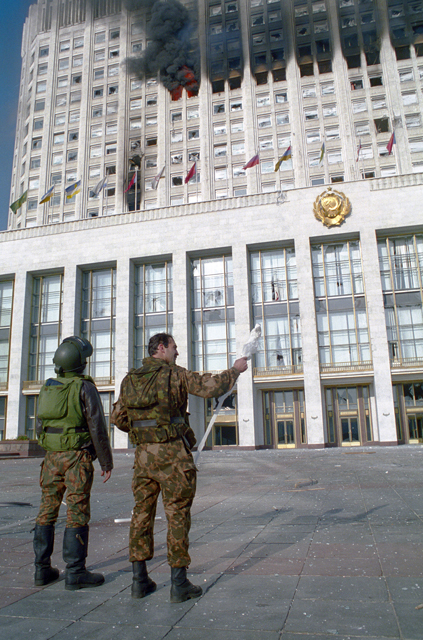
{"x": 384, "y": 426}
{"x": 124, "y": 333}
{"x": 245, "y": 388}
{"x": 312, "y": 386}
{"x": 71, "y": 307}
{"x": 19, "y": 353}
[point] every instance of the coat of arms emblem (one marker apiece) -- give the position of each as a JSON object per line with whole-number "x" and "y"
{"x": 331, "y": 207}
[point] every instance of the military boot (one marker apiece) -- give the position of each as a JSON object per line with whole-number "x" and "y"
{"x": 181, "y": 588}
{"x": 43, "y": 548}
{"x": 142, "y": 585}
{"x": 75, "y": 551}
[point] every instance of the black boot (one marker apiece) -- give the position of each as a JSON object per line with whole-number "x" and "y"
{"x": 142, "y": 585}
{"x": 181, "y": 588}
{"x": 75, "y": 551}
{"x": 43, "y": 548}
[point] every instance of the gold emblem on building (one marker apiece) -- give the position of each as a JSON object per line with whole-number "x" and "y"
{"x": 331, "y": 207}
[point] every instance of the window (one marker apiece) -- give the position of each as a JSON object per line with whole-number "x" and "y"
{"x": 362, "y": 129}
{"x": 382, "y": 125}
{"x": 151, "y": 101}
{"x": 43, "y": 52}
{"x": 45, "y": 328}
{"x": 176, "y": 158}
{"x": 114, "y": 34}
{"x": 42, "y": 69}
{"x": 35, "y": 163}
{"x": 177, "y": 181}
{"x": 193, "y": 113}
{"x": 63, "y": 64}
{"x": 312, "y": 136}
{"x": 220, "y": 150}
{"x": 150, "y": 121}
{"x": 220, "y": 174}
{"x": 64, "y": 46}
{"x": 412, "y": 120}
{"x": 112, "y": 89}
{"x": 379, "y": 103}
{"x": 98, "y": 320}
{"x": 34, "y": 183}
{"x": 416, "y": 146}
{"x": 38, "y": 124}
{"x": 42, "y": 86}
{"x": 57, "y": 158}
{"x": 113, "y": 70}
{"x": 342, "y": 326}
{"x": 111, "y": 148}
{"x": 98, "y": 74}
{"x": 135, "y": 123}
{"x": 58, "y": 138}
{"x": 36, "y": 143}
{"x": 311, "y": 113}
{"x": 238, "y": 171}
{"x": 219, "y": 129}
{"x": 334, "y": 156}
{"x": 135, "y": 103}
{"x": 111, "y": 127}
{"x": 219, "y": 108}
{"x": 73, "y": 155}
{"x": 282, "y": 118}
{"x": 266, "y": 143}
{"x": 264, "y": 121}
{"x": 96, "y": 130}
{"x": 409, "y": 98}
{"x": 309, "y": 92}
{"x": 236, "y": 105}
{"x": 329, "y": 111}
{"x": 99, "y": 55}
{"x": 376, "y": 81}
{"x": 406, "y": 75}
{"x": 332, "y": 133}
{"x": 95, "y": 151}
{"x": 238, "y": 148}
{"x": 100, "y": 37}
{"x": 111, "y": 108}
{"x": 281, "y": 97}
{"x": 39, "y": 105}
{"x": 136, "y": 85}
{"x": 77, "y": 61}
{"x": 75, "y": 96}
{"x": 62, "y": 82}
{"x": 152, "y": 141}
{"x": 98, "y": 92}
{"x": 267, "y": 167}
{"x": 193, "y": 134}
{"x": 263, "y": 101}
{"x": 237, "y": 126}
{"x": 74, "y": 116}
{"x": 97, "y": 112}
{"x": 359, "y": 106}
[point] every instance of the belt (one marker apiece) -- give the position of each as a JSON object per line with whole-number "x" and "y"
{"x": 60, "y": 430}
{"x": 144, "y": 424}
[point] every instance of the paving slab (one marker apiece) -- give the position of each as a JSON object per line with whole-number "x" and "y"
{"x": 287, "y": 545}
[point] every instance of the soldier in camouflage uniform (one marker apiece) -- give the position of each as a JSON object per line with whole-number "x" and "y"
{"x": 155, "y": 397}
{"x": 72, "y": 428}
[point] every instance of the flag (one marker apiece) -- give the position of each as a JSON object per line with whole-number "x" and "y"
{"x": 73, "y": 189}
{"x": 47, "y": 196}
{"x": 191, "y": 173}
{"x": 101, "y": 185}
{"x": 19, "y": 202}
{"x": 322, "y": 153}
{"x": 132, "y": 181}
{"x": 252, "y": 163}
{"x": 358, "y": 150}
{"x": 155, "y": 182}
{"x": 287, "y": 155}
{"x": 391, "y": 143}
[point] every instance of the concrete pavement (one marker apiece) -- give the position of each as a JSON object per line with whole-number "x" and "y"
{"x": 287, "y": 545}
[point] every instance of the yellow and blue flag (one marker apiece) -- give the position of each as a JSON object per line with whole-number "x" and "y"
{"x": 287, "y": 155}
{"x": 47, "y": 196}
{"x": 73, "y": 189}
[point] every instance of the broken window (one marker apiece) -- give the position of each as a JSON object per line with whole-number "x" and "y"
{"x": 382, "y": 125}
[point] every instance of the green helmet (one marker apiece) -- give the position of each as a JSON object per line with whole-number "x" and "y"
{"x": 72, "y": 355}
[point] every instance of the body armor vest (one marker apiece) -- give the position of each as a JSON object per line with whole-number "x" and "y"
{"x": 145, "y": 393}
{"x": 59, "y": 408}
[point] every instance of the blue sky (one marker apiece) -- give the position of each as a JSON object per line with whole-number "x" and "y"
{"x": 12, "y": 18}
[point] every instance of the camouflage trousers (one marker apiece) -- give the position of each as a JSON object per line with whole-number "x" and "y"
{"x": 70, "y": 471}
{"x": 167, "y": 467}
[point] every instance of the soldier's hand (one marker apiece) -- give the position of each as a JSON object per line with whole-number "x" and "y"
{"x": 241, "y": 364}
{"x": 106, "y": 475}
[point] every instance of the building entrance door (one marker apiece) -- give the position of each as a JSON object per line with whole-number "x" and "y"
{"x": 284, "y": 418}
{"x": 348, "y": 416}
{"x": 415, "y": 428}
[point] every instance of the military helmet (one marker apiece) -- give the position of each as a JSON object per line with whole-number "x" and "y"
{"x": 72, "y": 355}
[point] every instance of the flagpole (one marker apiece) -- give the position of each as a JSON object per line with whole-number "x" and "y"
{"x": 397, "y": 155}
{"x": 196, "y": 180}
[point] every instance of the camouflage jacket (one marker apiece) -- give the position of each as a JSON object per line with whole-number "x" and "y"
{"x": 159, "y": 391}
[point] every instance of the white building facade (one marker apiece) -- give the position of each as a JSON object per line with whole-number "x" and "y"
{"x": 340, "y": 306}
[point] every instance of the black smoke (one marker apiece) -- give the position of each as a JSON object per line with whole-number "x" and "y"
{"x": 172, "y": 52}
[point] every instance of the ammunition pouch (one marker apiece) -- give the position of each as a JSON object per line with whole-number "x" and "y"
{"x": 148, "y": 431}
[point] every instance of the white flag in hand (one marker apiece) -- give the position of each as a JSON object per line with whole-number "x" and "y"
{"x": 252, "y": 345}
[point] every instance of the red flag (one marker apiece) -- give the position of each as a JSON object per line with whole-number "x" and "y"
{"x": 132, "y": 182}
{"x": 191, "y": 173}
{"x": 251, "y": 163}
{"x": 391, "y": 143}
{"x": 358, "y": 151}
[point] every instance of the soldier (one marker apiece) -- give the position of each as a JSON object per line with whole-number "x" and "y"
{"x": 155, "y": 398}
{"x": 72, "y": 428}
